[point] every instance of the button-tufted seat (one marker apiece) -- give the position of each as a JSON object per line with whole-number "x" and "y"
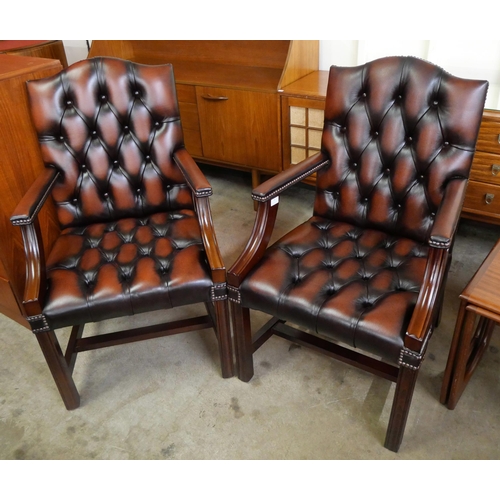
{"x": 362, "y": 279}
{"x": 136, "y": 233}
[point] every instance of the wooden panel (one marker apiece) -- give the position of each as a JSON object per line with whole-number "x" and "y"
{"x": 20, "y": 163}
{"x": 186, "y": 93}
{"x": 486, "y": 168}
{"x": 489, "y": 133}
{"x": 50, "y": 49}
{"x": 262, "y": 53}
{"x": 303, "y": 59}
{"x": 240, "y": 127}
{"x": 313, "y": 85}
{"x": 123, "y": 49}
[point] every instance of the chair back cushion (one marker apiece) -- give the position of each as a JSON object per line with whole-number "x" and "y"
{"x": 397, "y": 130}
{"x": 110, "y": 127}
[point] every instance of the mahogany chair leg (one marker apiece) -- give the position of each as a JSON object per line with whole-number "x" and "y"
{"x": 405, "y": 386}
{"x": 59, "y": 368}
{"x": 243, "y": 341}
{"x": 224, "y": 338}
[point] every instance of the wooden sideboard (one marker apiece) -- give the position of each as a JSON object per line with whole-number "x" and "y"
{"x": 20, "y": 164}
{"x": 229, "y": 93}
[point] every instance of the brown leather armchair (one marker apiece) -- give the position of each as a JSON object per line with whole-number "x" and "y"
{"x": 367, "y": 270}
{"x": 136, "y": 231}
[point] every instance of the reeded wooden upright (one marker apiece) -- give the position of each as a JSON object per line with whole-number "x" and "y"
{"x": 479, "y": 312}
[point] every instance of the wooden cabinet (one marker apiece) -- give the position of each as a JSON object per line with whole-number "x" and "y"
{"x": 228, "y": 92}
{"x": 482, "y": 200}
{"x": 20, "y": 164}
{"x": 50, "y": 49}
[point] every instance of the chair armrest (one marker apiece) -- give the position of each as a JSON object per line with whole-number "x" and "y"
{"x": 280, "y": 182}
{"x": 26, "y": 216}
{"x": 422, "y": 320}
{"x": 447, "y": 217}
{"x": 192, "y": 173}
{"x": 31, "y": 203}
{"x": 267, "y": 209}
{"x": 202, "y": 190}
{"x": 440, "y": 242}
{"x": 212, "y": 250}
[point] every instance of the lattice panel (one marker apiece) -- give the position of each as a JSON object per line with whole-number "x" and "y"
{"x": 306, "y": 126}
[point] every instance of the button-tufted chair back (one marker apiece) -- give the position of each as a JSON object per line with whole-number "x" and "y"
{"x": 110, "y": 129}
{"x": 136, "y": 230}
{"x": 397, "y": 131}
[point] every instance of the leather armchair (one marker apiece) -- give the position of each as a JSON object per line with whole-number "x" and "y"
{"x": 132, "y": 205}
{"x": 362, "y": 280}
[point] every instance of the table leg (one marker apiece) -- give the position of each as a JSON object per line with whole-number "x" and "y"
{"x": 451, "y": 363}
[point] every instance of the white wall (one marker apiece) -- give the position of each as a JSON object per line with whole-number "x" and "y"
{"x": 467, "y": 59}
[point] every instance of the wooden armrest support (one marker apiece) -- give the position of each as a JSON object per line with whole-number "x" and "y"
{"x": 280, "y": 182}
{"x": 440, "y": 242}
{"x": 448, "y": 214}
{"x": 31, "y": 203}
{"x": 192, "y": 173}
{"x": 214, "y": 257}
{"x": 257, "y": 242}
{"x": 25, "y": 216}
{"x": 423, "y": 316}
{"x": 202, "y": 189}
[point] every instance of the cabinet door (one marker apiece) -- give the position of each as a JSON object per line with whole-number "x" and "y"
{"x": 240, "y": 127}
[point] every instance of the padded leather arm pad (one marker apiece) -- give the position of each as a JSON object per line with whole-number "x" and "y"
{"x": 192, "y": 173}
{"x": 280, "y": 182}
{"x": 31, "y": 203}
{"x": 448, "y": 215}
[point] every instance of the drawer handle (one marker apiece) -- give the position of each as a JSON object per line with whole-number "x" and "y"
{"x": 209, "y": 97}
{"x": 488, "y": 198}
{"x": 495, "y": 169}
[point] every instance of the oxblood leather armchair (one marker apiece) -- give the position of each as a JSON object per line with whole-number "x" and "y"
{"x": 136, "y": 228}
{"x": 368, "y": 268}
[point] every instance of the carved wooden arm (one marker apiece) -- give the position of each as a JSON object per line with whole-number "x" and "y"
{"x": 440, "y": 243}
{"x": 201, "y": 192}
{"x": 26, "y": 216}
{"x": 267, "y": 196}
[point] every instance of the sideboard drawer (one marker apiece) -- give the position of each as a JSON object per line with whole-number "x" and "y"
{"x": 482, "y": 198}
{"x": 485, "y": 168}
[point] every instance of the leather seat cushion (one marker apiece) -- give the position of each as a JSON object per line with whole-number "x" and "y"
{"x": 124, "y": 267}
{"x": 355, "y": 286}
